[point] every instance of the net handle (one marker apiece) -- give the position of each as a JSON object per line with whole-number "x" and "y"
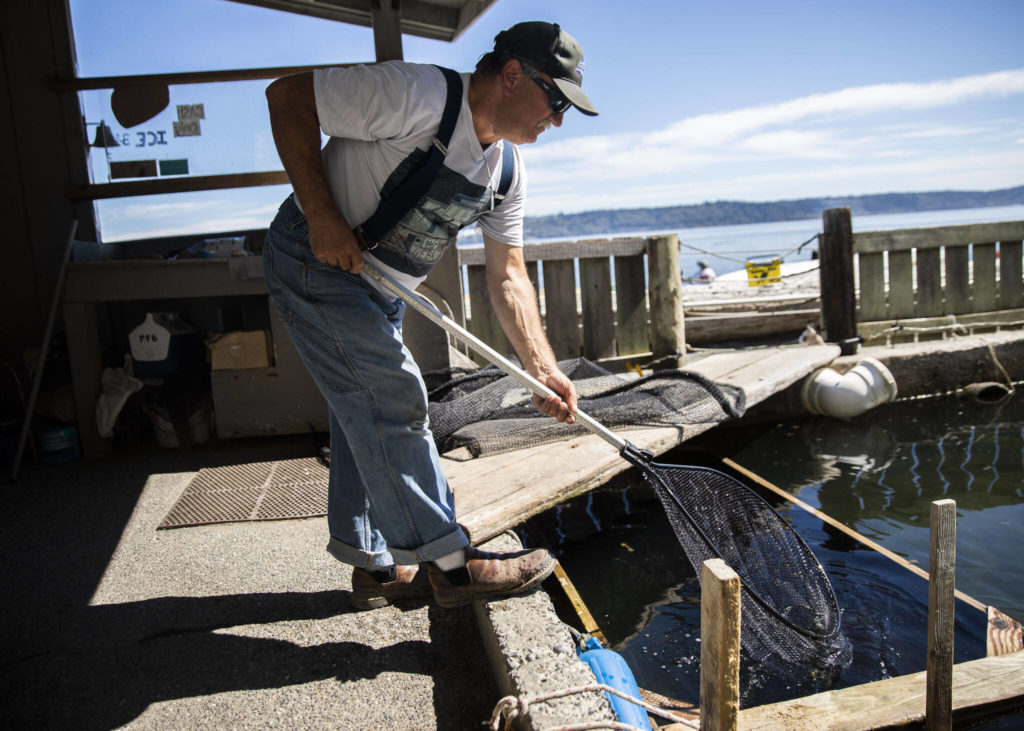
{"x": 430, "y": 312}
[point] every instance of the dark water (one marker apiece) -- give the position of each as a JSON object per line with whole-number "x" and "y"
{"x": 877, "y": 474}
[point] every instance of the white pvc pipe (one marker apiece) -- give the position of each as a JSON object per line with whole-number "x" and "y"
{"x": 865, "y": 386}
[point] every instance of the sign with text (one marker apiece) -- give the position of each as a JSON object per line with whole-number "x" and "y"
{"x": 188, "y": 120}
{"x": 760, "y": 273}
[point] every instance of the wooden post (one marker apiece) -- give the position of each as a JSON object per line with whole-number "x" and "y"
{"x": 386, "y": 19}
{"x": 668, "y": 336}
{"x": 838, "y": 299}
{"x": 719, "y": 646}
{"x": 941, "y": 579}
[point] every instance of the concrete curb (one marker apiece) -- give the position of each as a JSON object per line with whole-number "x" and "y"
{"x": 532, "y": 654}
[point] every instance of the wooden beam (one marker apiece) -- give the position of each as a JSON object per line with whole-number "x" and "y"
{"x": 719, "y": 646}
{"x": 160, "y": 186}
{"x": 386, "y": 19}
{"x": 779, "y": 492}
{"x": 668, "y": 333}
{"x": 941, "y": 604}
{"x": 980, "y": 688}
{"x": 185, "y": 77}
{"x": 933, "y": 237}
{"x": 561, "y": 250}
{"x": 838, "y": 299}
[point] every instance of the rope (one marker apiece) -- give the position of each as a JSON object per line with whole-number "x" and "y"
{"x": 512, "y": 707}
{"x": 955, "y": 327}
{"x": 795, "y": 250}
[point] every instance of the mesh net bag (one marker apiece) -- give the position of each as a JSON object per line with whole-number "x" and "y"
{"x": 487, "y": 412}
{"x": 789, "y": 612}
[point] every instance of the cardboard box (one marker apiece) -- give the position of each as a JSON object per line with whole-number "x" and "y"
{"x": 239, "y": 350}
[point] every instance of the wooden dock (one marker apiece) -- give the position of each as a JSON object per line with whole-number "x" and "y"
{"x": 493, "y": 494}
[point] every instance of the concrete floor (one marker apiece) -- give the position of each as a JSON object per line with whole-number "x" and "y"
{"x": 107, "y": 622}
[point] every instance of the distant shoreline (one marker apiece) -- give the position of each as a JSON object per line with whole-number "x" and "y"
{"x": 729, "y": 213}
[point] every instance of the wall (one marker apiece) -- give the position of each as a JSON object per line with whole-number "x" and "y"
{"x": 42, "y": 146}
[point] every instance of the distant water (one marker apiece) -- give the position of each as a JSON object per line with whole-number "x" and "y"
{"x": 726, "y": 248}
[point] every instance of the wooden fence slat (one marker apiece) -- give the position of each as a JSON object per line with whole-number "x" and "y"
{"x": 901, "y": 285}
{"x": 562, "y": 317}
{"x": 483, "y": 322}
{"x": 598, "y": 317}
{"x": 983, "y": 285}
{"x": 929, "y": 282}
{"x": 1011, "y": 291}
{"x": 941, "y": 603}
{"x": 958, "y": 281}
{"x": 631, "y": 305}
{"x": 871, "y": 268}
{"x": 720, "y": 646}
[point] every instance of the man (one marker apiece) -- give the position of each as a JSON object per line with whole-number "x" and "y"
{"x": 705, "y": 274}
{"x": 390, "y": 510}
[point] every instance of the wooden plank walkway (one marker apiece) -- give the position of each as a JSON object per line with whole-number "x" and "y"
{"x": 493, "y": 494}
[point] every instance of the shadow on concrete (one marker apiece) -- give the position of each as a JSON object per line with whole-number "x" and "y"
{"x": 66, "y": 664}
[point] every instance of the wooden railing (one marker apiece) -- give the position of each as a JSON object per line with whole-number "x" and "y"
{"x": 635, "y": 314}
{"x": 914, "y": 283}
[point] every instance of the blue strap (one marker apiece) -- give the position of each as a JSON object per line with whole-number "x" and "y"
{"x": 415, "y": 185}
{"x": 508, "y": 168}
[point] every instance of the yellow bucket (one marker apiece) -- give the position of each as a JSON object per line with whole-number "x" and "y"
{"x": 760, "y": 273}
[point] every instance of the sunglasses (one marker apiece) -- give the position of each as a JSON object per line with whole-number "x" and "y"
{"x": 557, "y": 101}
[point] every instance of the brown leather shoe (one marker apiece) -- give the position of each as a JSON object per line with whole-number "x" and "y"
{"x": 493, "y": 575}
{"x": 368, "y": 593}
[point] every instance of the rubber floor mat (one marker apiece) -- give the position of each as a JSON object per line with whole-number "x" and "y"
{"x": 295, "y": 488}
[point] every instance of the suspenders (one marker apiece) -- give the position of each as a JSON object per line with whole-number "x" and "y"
{"x": 409, "y": 191}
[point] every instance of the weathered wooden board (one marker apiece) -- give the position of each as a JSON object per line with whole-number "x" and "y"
{"x": 901, "y": 284}
{"x": 958, "y": 280}
{"x": 988, "y": 683}
{"x": 984, "y": 276}
{"x": 562, "y": 321}
{"x": 871, "y": 269}
{"x": 705, "y": 329}
{"x": 493, "y": 494}
{"x": 567, "y": 250}
{"x": 598, "y": 315}
{"x": 482, "y": 321}
{"x": 932, "y": 237}
{"x": 631, "y": 305}
{"x": 1011, "y": 283}
{"x": 929, "y": 282}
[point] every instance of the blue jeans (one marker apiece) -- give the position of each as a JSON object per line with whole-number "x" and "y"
{"x": 388, "y": 499}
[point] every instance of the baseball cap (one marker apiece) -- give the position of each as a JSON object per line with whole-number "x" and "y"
{"x": 548, "y": 48}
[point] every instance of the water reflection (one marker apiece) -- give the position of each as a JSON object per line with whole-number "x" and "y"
{"x": 878, "y": 474}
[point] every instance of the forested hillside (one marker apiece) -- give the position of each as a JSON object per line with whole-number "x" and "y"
{"x": 724, "y": 213}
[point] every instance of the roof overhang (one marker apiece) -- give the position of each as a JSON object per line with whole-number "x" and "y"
{"x": 442, "y": 20}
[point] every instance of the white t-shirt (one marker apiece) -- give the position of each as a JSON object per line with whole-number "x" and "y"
{"x": 377, "y": 117}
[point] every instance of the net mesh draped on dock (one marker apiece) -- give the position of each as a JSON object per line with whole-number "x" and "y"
{"x": 487, "y": 412}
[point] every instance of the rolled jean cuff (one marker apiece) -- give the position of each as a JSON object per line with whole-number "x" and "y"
{"x": 358, "y": 557}
{"x": 429, "y": 551}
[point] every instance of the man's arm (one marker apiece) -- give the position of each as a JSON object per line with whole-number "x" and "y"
{"x": 296, "y": 128}
{"x": 515, "y": 303}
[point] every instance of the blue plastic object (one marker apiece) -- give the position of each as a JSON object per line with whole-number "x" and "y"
{"x": 611, "y": 670}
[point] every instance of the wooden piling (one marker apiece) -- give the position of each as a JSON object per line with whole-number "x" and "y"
{"x": 720, "y": 646}
{"x": 668, "y": 336}
{"x": 942, "y": 571}
{"x": 838, "y": 298}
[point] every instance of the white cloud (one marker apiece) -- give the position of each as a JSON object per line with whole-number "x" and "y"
{"x": 867, "y": 134}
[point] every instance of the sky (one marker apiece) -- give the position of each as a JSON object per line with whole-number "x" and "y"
{"x": 699, "y": 102}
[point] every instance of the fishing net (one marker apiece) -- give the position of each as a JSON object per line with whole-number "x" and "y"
{"x": 790, "y": 622}
{"x": 790, "y": 618}
{"x": 488, "y": 412}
